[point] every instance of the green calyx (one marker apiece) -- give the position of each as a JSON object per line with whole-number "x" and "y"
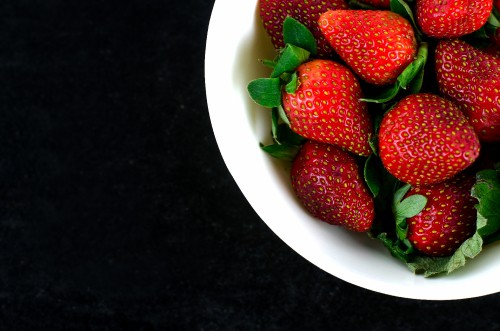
{"x": 300, "y": 45}
{"x": 267, "y": 92}
{"x": 291, "y": 57}
{"x": 410, "y": 79}
{"x": 295, "y": 33}
{"x": 406, "y": 208}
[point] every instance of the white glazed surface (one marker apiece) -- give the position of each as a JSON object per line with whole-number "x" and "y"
{"x": 235, "y": 42}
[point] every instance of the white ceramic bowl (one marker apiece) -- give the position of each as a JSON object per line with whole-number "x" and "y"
{"x": 235, "y": 42}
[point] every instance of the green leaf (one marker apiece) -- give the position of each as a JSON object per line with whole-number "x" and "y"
{"x": 291, "y": 86}
{"x": 415, "y": 67}
{"x": 287, "y": 137}
{"x": 472, "y": 246}
{"x": 400, "y": 193}
{"x": 282, "y": 152}
{"x": 411, "y": 206}
{"x": 401, "y": 7}
{"x": 404, "y": 209}
{"x": 373, "y": 142}
{"x": 493, "y": 19}
{"x": 283, "y": 116}
{"x": 487, "y": 191}
{"x": 295, "y": 33}
{"x": 268, "y": 63}
{"x": 428, "y": 266}
{"x": 401, "y": 229}
{"x": 417, "y": 83}
{"x": 400, "y": 210}
{"x": 431, "y": 266}
{"x": 265, "y": 91}
{"x": 386, "y": 95}
{"x": 373, "y": 139}
{"x": 274, "y": 123}
{"x": 407, "y": 208}
{"x": 372, "y": 174}
{"x": 289, "y": 60}
{"x": 281, "y": 132}
{"x": 395, "y": 249}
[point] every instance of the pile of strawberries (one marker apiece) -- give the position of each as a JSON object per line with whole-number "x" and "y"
{"x": 389, "y": 112}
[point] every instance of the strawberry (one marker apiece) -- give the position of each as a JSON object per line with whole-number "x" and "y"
{"x": 274, "y": 12}
{"x": 325, "y": 107}
{"x": 328, "y": 181}
{"x": 376, "y": 44}
{"x": 471, "y": 78}
{"x": 377, "y": 3}
{"x": 426, "y": 139}
{"x": 453, "y": 18}
{"x": 447, "y": 220}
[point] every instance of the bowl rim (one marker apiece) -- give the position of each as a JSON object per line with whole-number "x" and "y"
{"x": 231, "y": 36}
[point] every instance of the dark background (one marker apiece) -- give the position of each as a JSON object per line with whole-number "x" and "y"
{"x": 116, "y": 209}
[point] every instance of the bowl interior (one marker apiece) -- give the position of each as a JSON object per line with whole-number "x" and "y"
{"x": 235, "y": 43}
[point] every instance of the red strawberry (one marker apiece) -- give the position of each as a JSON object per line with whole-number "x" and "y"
{"x": 328, "y": 181}
{"x": 448, "y": 219}
{"x": 471, "y": 78}
{"x": 326, "y": 107}
{"x": 377, "y": 3}
{"x": 378, "y": 45}
{"x": 426, "y": 139}
{"x": 274, "y": 12}
{"x": 452, "y": 18}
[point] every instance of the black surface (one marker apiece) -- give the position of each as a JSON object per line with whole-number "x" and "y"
{"x": 116, "y": 209}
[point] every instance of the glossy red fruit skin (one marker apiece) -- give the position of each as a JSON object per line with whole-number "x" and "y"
{"x": 425, "y": 139}
{"x": 376, "y": 44}
{"x": 452, "y": 18}
{"x": 377, "y": 3}
{"x": 328, "y": 182}
{"x": 471, "y": 78}
{"x": 274, "y": 12}
{"x": 448, "y": 219}
{"x": 326, "y": 107}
